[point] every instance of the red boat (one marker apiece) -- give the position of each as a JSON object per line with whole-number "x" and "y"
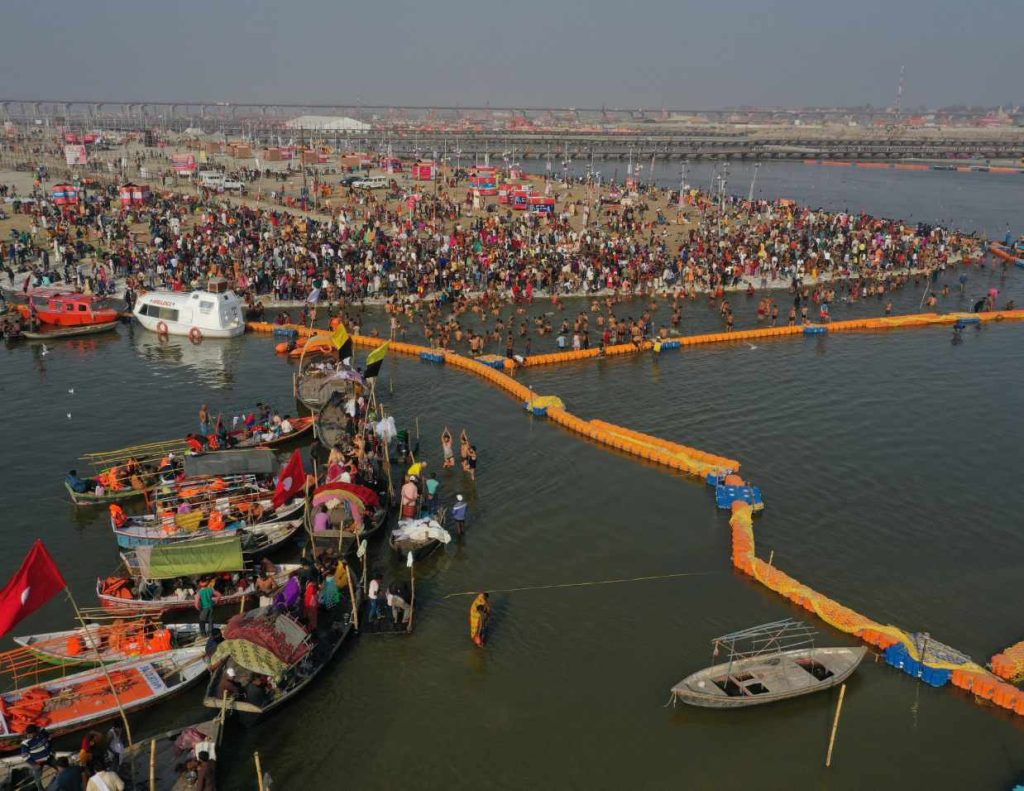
{"x": 66, "y": 308}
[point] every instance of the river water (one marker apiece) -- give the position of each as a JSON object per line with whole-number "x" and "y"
{"x": 888, "y": 463}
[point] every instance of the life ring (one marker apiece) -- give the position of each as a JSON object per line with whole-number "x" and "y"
{"x": 161, "y": 328}
{"x": 195, "y": 335}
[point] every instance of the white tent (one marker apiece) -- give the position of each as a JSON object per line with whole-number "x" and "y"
{"x": 327, "y": 123}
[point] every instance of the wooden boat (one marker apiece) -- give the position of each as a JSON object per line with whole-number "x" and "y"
{"x": 419, "y": 537}
{"x": 285, "y": 662}
{"x": 350, "y": 516}
{"x": 69, "y": 332}
{"x": 108, "y": 497}
{"x": 301, "y": 426}
{"x": 331, "y": 421}
{"x": 1007, "y": 254}
{"x": 216, "y": 461}
{"x": 767, "y": 663}
{"x": 150, "y": 529}
{"x": 270, "y": 537}
{"x": 156, "y": 578}
{"x": 82, "y": 700}
{"x": 102, "y": 643}
{"x": 167, "y": 759}
{"x": 67, "y": 308}
{"x": 318, "y": 381}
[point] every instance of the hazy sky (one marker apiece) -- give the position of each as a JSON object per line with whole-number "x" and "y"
{"x": 648, "y": 53}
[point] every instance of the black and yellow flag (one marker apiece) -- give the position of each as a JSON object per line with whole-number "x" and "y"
{"x": 342, "y": 341}
{"x": 375, "y": 359}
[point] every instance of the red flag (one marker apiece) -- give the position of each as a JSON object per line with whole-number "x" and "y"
{"x": 35, "y": 583}
{"x": 291, "y": 480}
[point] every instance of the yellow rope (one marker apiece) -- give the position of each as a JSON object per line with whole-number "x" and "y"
{"x": 586, "y": 584}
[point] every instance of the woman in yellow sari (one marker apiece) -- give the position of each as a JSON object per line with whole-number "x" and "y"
{"x": 479, "y": 616}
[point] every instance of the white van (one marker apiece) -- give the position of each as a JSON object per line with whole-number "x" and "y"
{"x": 374, "y": 183}
{"x": 211, "y": 179}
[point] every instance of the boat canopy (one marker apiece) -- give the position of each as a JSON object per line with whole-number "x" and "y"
{"x": 333, "y": 495}
{"x": 366, "y": 495}
{"x": 263, "y": 641}
{"x": 190, "y": 558}
{"x": 769, "y": 638}
{"x": 249, "y": 461}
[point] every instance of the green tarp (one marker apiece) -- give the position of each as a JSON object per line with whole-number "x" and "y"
{"x": 190, "y": 558}
{"x": 250, "y": 656}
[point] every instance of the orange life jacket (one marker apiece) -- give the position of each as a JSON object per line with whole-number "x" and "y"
{"x": 117, "y": 515}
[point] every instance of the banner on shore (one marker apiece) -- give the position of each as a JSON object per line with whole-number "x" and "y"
{"x": 184, "y": 164}
{"x": 75, "y": 154}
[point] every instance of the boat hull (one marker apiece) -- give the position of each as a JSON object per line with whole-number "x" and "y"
{"x": 183, "y": 635}
{"x": 118, "y": 496}
{"x": 133, "y": 536}
{"x": 154, "y": 606}
{"x": 182, "y": 330}
{"x": 70, "y": 332}
{"x": 781, "y": 674}
{"x": 189, "y": 670}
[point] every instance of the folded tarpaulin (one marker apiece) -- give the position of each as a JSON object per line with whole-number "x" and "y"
{"x": 280, "y": 634}
{"x": 249, "y": 461}
{"x": 250, "y": 656}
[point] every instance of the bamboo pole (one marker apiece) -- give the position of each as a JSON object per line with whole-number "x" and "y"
{"x": 259, "y": 770}
{"x": 103, "y": 667}
{"x": 835, "y": 726}
{"x": 223, "y": 715}
{"x": 412, "y": 603}
{"x": 352, "y": 596}
{"x": 152, "y": 765}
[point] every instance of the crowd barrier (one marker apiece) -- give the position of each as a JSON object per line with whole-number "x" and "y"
{"x": 902, "y": 650}
{"x": 738, "y": 336}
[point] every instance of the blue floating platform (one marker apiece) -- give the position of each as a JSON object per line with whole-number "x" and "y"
{"x": 432, "y": 357}
{"x": 492, "y": 361}
{"x": 286, "y": 332}
{"x": 725, "y": 496}
{"x": 965, "y": 320}
{"x": 670, "y": 345}
{"x": 898, "y": 656}
{"x": 815, "y": 329}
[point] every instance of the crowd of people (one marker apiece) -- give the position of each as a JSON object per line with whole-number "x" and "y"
{"x": 462, "y": 275}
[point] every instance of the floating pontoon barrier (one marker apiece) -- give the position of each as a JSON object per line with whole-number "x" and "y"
{"x": 432, "y": 356}
{"x": 492, "y": 361}
{"x": 899, "y": 657}
{"x": 1009, "y": 663}
{"x": 815, "y": 329}
{"x": 725, "y": 496}
{"x": 539, "y": 406}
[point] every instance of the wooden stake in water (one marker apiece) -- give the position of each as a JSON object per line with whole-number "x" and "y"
{"x": 835, "y": 726}
{"x": 152, "y": 765}
{"x": 259, "y": 770}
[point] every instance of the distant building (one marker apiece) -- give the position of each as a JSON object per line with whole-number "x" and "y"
{"x": 327, "y": 123}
